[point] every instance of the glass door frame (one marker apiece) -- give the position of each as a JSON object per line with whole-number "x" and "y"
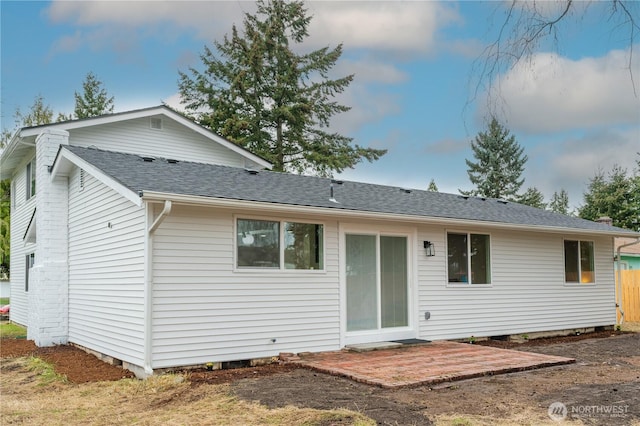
{"x": 380, "y": 334}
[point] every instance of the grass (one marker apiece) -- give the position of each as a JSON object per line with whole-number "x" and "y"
{"x": 45, "y": 371}
{"x": 32, "y": 394}
{"x": 12, "y": 331}
{"x": 4, "y": 301}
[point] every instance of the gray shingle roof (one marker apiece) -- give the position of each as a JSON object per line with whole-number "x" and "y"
{"x": 207, "y": 180}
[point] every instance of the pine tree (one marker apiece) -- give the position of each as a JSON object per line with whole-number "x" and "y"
{"x": 532, "y": 197}
{"x": 38, "y": 114}
{"x": 500, "y": 163}
{"x": 616, "y": 196}
{"x": 560, "y": 202}
{"x": 94, "y": 99}
{"x": 258, "y": 92}
{"x": 432, "y": 186}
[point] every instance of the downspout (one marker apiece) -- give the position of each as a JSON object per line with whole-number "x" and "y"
{"x": 148, "y": 285}
{"x": 619, "y": 281}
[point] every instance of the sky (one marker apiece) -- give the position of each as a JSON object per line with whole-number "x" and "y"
{"x": 418, "y": 91}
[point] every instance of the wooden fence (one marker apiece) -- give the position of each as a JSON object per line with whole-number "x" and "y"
{"x": 630, "y": 295}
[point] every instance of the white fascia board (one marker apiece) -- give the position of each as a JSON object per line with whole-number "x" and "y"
{"x": 103, "y": 119}
{"x": 66, "y": 160}
{"x": 358, "y": 214}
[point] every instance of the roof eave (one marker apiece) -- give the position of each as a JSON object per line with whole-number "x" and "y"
{"x": 66, "y": 160}
{"x": 152, "y": 196}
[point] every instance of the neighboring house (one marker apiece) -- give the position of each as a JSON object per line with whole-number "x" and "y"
{"x": 147, "y": 238}
{"x": 5, "y": 287}
{"x": 629, "y": 255}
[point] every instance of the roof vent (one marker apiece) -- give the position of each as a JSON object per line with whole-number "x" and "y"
{"x": 148, "y": 159}
{"x": 155, "y": 123}
{"x": 503, "y": 201}
{"x": 466, "y": 197}
{"x": 405, "y": 190}
{"x": 252, "y": 171}
{"x": 332, "y": 198}
{"x": 172, "y": 160}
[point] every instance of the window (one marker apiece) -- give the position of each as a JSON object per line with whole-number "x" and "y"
{"x": 279, "y": 245}
{"x": 30, "y": 260}
{"x": 468, "y": 258}
{"x": 31, "y": 179}
{"x": 303, "y": 245}
{"x": 579, "y": 262}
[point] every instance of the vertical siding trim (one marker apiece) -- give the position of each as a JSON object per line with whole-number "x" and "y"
{"x": 151, "y": 224}
{"x": 148, "y": 282}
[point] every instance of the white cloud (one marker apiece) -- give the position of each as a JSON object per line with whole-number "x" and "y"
{"x": 552, "y": 93}
{"x": 571, "y": 163}
{"x": 207, "y": 18}
{"x": 389, "y": 26}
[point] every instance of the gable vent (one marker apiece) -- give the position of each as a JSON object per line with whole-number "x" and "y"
{"x": 148, "y": 159}
{"x": 155, "y": 123}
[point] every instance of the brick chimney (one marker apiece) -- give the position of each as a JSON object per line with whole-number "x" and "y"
{"x": 606, "y": 220}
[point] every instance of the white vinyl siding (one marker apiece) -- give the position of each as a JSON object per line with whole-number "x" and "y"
{"x": 173, "y": 141}
{"x": 21, "y": 212}
{"x": 204, "y": 311}
{"x": 106, "y": 270}
{"x": 528, "y": 291}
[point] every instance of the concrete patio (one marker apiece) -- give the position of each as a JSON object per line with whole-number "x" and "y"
{"x": 428, "y": 363}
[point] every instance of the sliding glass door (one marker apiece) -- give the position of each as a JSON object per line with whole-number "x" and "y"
{"x": 376, "y": 282}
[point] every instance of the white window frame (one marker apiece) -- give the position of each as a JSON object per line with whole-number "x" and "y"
{"x": 30, "y": 260}
{"x": 30, "y": 176}
{"x": 469, "y": 283}
{"x": 281, "y": 268}
{"x": 564, "y": 258}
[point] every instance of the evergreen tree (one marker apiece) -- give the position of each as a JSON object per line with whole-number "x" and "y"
{"x": 38, "y": 114}
{"x": 258, "y": 92}
{"x": 560, "y": 202}
{"x": 432, "y": 186}
{"x": 500, "y": 163}
{"x": 93, "y": 101}
{"x": 532, "y": 197}
{"x": 616, "y": 196}
{"x": 5, "y": 216}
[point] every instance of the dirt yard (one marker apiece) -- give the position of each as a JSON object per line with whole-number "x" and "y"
{"x": 601, "y": 388}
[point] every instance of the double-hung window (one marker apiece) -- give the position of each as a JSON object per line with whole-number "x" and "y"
{"x": 579, "y": 262}
{"x": 279, "y": 244}
{"x": 31, "y": 179}
{"x": 468, "y": 258}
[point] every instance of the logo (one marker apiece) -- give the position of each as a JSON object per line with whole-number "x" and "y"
{"x": 557, "y": 411}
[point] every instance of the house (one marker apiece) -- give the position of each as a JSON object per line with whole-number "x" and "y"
{"x": 146, "y": 238}
{"x": 629, "y": 253}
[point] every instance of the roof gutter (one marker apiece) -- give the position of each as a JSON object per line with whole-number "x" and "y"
{"x": 338, "y": 212}
{"x": 619, "y": 280}
{"x": 148, "y": 281}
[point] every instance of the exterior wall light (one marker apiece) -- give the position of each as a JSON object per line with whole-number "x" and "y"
{"x": 429, "y": 248}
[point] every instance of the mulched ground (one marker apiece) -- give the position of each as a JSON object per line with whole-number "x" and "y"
{"x": 81, "y": 367}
